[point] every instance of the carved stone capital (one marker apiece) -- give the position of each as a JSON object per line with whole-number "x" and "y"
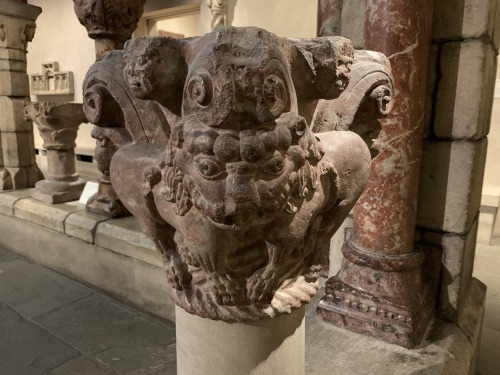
{"x": 212, "y": 150}
{"x": 57, "y": 122}
{"x": 109, "y": 19}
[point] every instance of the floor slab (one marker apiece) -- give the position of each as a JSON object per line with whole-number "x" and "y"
{"x": 26, "y": 349}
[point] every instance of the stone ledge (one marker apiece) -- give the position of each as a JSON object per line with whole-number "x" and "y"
{"x": 123, "y": 236}
{"x": 125, "y": 278}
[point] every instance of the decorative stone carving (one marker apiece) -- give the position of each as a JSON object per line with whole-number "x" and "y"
{"x": 58, "y": 125}
{"x": 211, "y": 149}
{"x": 62, "y": 82}
{"x": 219, "y": 13}
{"x": 110, "y": 23}
{"x": 18, "y": 169}
{"x": 109, "y": 19}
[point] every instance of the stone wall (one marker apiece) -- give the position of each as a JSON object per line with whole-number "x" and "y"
{"x": 460, "y": 94}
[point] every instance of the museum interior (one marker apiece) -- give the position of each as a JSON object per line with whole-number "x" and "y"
{"x": 233, "y": 187}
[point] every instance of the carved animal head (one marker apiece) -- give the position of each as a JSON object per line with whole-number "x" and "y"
{"x": 241, "y": 145}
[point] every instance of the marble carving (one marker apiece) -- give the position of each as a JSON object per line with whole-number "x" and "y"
{"x": 234, "y": 151}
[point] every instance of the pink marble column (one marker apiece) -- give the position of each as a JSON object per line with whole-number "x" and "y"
{"x": 329, "y": 17}
{"x": 386, "y": 286}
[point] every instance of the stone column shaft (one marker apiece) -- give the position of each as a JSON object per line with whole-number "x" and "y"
{"x": 386, "y": 285}
{"x": 18, "y": 169}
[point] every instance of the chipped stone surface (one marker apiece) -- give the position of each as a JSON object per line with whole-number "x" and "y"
{"x": 450, "y": 185}
{"x": 465, "y": 88}
{"x": 83, "y": 225}
{"x": 45, "y": 214}
{"x": 126, "y": 237}
{"x": 464, "y": 19}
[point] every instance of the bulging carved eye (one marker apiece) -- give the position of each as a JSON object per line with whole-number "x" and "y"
{"x": 275, "y": 94}
{"x": 200, "y": 89}
{"x": 209, "y": 168}
{"x": 275, "y": 165}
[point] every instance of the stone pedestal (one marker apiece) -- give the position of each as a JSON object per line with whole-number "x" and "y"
{"x": 261, "y": 347}
{"x": 18, "y": 169}
{"x": 58, "y": 125}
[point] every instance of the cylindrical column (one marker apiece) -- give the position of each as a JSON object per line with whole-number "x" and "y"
{"x": 58, "y": 125}
{"x": 385, "y": 216}
{"x": 259, "y": 347}
{"x": 386, "y": 286}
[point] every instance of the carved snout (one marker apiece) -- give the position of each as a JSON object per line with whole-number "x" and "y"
{"x": 241, "y": 190}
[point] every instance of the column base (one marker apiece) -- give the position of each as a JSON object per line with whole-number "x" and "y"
{"x": 105, "y": 202}
{"x": 58, "y": 191}
{"x": 388, "y": 297}
{"x": 261, "y": 347}
{"x": 20, "y": 177}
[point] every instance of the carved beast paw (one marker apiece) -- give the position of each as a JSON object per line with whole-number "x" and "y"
{"x": 178, "y": 275}
{"x": 225, "y": 290}
{"x": 263, "y": 283}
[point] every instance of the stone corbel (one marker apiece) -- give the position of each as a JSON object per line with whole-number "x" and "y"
{"x": 209, "y": 144}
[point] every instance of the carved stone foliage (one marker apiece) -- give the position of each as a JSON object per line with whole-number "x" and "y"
{"x": 213, "y": 152}
{"x": 58, "y": 125}
{"x": 111, "y": 19}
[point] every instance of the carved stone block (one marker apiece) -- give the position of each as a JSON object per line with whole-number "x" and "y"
{"x": 14, "y": 84}
{"x": 18, "y": 149}
{"x": 450, "y": 191}
{"x": 52, "y": 81}
{"x": 234, "y": 188}
{"x": 463, "y": 105}
{"x": 11, "y": 115}
{"x": 466, "y": 19}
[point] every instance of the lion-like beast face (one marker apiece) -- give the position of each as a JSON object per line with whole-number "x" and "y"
{"x": 239, "y": 144}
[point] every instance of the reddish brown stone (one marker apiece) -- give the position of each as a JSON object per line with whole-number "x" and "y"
{"x": 233, "y": 187}
{"x": 381, "y": 263}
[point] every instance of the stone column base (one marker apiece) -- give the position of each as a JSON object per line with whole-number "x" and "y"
{"x": 388, "y": 297}
{"x": 58, "y": 191}
{"x": 105, "y": 202}
{"x": 262, "y": 347}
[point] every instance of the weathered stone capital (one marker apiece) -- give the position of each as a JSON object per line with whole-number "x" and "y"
{"x": 212, "y": 149}
{"x": 57, "y": 122}
{"x": 109, "y": 19}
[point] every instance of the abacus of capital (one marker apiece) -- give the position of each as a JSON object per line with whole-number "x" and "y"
{"x": 219, "y": 147}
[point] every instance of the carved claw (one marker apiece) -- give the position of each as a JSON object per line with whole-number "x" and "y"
{"x": 263, "y": 283}
{"x": 178, "y": 275}
{"x": 225, "y": 290}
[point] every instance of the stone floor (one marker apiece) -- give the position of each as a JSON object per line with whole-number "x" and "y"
{"x": 52, "y": 325}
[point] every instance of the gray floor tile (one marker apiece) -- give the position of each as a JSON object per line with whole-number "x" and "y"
{"x": 81, "y": 366}
{"x": 7, "y": 256}
{"x": 26, "y": 349}
{"x": 97, "y": 323}
{"x": 32, "y": 290}
{"x": 141, "y": 361}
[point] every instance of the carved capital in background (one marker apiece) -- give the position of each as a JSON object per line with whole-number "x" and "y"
{"x": 109, "y": 19}
{"x": 214, "y": 153}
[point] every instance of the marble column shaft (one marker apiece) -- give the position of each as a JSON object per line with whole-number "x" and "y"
{"x": 18, "y": 168}
{"x": 386, "y": 285}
